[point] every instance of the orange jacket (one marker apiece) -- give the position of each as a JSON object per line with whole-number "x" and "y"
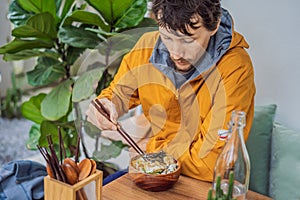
{"x": 185, "y": 120}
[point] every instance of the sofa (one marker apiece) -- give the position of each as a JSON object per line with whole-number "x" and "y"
{"x": 274, "y": 152}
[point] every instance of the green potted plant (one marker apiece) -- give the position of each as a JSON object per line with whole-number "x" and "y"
{"x": 58, "y": 33}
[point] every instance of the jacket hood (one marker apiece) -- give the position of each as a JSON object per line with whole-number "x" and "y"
{"x": 224, "y": 39}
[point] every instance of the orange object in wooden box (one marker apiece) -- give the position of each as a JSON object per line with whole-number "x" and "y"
{"x": 89, "y": 188}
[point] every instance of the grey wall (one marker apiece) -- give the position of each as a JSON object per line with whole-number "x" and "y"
{"x": 272, "y": 29}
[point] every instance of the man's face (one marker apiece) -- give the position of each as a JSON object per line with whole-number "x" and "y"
{"x": 186, "y": 50}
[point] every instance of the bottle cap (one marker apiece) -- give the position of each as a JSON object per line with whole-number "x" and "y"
{"x": 223, "y": 134}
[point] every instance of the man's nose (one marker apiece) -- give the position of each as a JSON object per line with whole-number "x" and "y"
{"x": 176, "y": 56}
{"x": 177, "y": 51}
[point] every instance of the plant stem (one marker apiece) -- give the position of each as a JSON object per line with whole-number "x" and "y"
{"x": 79, "y": 129}
{"x": 230, "y": 187}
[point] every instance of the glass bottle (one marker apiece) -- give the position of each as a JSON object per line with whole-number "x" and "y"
{"x": 234, "y": 157}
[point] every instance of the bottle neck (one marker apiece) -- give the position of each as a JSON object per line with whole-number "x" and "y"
{"x": 237, "y": 124}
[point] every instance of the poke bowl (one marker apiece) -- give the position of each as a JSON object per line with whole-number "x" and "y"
{"x": 154, "y": 171}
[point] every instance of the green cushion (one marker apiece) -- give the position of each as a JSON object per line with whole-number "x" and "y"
{"x": 285, "y": 163}
{"x": 258, "y": 146}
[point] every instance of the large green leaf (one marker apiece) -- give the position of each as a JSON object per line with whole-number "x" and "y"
{"x": 101, "y": 32}
{"x": 31, "y": 109}
{"x": 57, "y": 103}
{"x": 91, "y": 130}
{"x": 68, "y": 132}
{"x": 18, "y": 45}
{"x": 26, "y": 54}
{"x": 73, "y": 54}
{"x": 148, "y": 23}
{"x": 89, "y": 58}
{"x": 86, "y": 18}
{"x": 17, "y": 15}
{"x": 41, "y": 25}
{"x": 34, "y": 136}
{"x": 122, "y": 42}
{"x": 47, "y": 70}
{"x": 39, "y": 6}
{"x": 119, "y": 42}
{"x": 83, "y": 87}
{"x": 111, "y": 10}
{"x": 133, "y": 15}
{"x": 112, "y": 150}
{"x": 49, "y": 128}
{"x": 78, "y": 37}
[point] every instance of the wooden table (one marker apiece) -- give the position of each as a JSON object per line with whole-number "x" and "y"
{"x": 186, "y": 188}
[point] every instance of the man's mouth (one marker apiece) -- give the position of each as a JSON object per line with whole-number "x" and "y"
{"x": 182, "y": 65}
{"x": 180, "y": 61}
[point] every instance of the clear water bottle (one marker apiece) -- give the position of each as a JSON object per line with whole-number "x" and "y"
{"x": 234, "y": 157}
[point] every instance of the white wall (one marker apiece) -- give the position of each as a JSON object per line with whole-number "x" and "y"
{"x": 272, "y": 28}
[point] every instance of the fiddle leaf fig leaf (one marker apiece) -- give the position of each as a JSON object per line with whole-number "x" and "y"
{"x": 49, "y": 128}
{"x": 78, "y": 37}
{"x": 68, "y": 132}
{"x": 57, "y": 103}
{"x": 47, "y": 71}
{"x": 17, "y": 15}
{"x": 41, "y": 25}
{"x": 26, "y": 54}
{"x": 108, "y": 167}
{"x": 148, "y": 23}
{"x": 31, "y": 109}
{"x": 34, "y": 136}
{"x": 91, "y": 130}
{"x": 73, "y": 54}
{"x": 121, "y": 43}
{"x": 86, "y": 18}
{"x": 112, "y": 150}
{"x": 19, "y": 45}
{"x": 39, "y": 6}
{"x": 84, "y": 85}
{"x": 133, "y": 15}
{"x": 110, "y": 10}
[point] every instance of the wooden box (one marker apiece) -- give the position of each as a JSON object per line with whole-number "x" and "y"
{"x": 89, "y": 188}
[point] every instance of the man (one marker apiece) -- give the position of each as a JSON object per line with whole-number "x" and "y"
{"x": 189, "y": 76}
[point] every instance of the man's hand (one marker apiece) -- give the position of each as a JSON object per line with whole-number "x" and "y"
{"x": 96, "y": 118}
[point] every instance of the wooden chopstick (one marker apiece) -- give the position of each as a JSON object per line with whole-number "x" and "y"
{"x": 98, "y": 105}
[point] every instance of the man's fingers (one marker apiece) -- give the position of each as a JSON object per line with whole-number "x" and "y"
{"x": 110, "y": 108}
{"x": 97, "y": 119}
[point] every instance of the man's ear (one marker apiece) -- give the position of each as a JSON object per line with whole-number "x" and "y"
{"x": 217, "y": 28}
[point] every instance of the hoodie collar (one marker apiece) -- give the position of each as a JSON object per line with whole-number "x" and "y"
{"x": 218, "y": 45}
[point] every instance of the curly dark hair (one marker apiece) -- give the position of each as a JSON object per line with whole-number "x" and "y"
{"x": 177, "y": 14}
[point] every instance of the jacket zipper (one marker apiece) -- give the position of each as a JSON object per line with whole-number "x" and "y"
{"x": 177, "y": 94}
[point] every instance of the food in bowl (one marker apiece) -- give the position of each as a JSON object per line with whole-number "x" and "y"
{"x": 155, "y": 163}
{"x": 155, "y": 172}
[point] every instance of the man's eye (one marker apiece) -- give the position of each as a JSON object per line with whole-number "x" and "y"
{"x": 188, "y": 41}
{"x": 167, "y": 38}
